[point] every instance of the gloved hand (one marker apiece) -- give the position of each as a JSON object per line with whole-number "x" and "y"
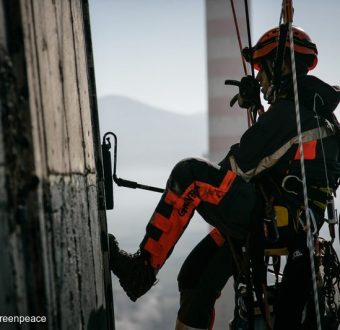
{"x": 249, "y": 92}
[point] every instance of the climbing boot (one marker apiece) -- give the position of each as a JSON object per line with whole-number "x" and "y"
{"x": 136, "y": 275}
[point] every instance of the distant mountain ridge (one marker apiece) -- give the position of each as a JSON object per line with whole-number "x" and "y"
{"x": 149, "y": 135}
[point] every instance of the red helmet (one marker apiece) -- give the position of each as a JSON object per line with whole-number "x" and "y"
{"x": 302, "y": 45}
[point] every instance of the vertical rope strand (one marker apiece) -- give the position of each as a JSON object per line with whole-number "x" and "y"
{"x": 249, "y": 118}
{"x": 321, "y": 140}
{"x": 249, "y": 37}
{"x": 238, "y": 37}
{"x": 310, "y": 242}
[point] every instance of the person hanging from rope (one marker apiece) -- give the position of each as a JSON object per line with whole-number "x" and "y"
{"x": 225, "y": 194}
{"x": 320, "y": 137}
{"x": 268, "y": 155}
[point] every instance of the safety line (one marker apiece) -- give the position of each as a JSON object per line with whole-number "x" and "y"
{"x": 238, "y": 37}
{"x": 321, "y": 140}
{"x": 310, "y": 242}
{"x": 250, "y": 119}
{"x": 249, "y": 37}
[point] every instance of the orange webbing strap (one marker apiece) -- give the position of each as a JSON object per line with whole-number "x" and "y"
{"x": 213, "y": 195}
{"x": 217, "y": 237}
{"x": 212, "y": 320}
{"x": 183, "y": 207}
{"x": 309, "y": 151}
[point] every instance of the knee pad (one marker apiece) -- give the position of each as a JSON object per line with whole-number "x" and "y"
{"x": 181, "y": 175}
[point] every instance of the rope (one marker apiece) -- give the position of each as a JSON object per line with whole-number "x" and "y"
{"x": 249, "y": 37}
{"x": 238, "y": 37}
{"x": 310, "y": 241}
{"x": 331, "y": 280}
{"x": 249, "y": 117}
{"x": 321, "y": 140}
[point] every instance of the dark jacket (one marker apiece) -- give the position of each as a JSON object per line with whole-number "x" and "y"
{"x": 271, "y": 143}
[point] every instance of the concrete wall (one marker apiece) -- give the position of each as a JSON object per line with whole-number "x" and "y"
{"x": 53, "y": 247}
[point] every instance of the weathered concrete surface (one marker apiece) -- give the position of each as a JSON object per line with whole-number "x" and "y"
{"x": 53, "y": 248}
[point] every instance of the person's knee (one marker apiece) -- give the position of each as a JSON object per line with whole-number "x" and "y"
{"x": 182, "y": 175}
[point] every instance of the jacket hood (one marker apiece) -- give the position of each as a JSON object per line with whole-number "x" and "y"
{"x": 314, "y": 90}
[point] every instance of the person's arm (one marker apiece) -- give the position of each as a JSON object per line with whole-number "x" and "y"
{"x": 263, "y": 144}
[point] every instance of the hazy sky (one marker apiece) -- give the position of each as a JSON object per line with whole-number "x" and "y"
{"x": 154, "y": 50}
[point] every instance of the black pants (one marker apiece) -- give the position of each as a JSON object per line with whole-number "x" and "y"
{"x": 201, "y": 279}
{"x": 296, "y": 288}
{"x": 208, "y": 268}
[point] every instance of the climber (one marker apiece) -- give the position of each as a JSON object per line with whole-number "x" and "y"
{"x": 226, "y": 195}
